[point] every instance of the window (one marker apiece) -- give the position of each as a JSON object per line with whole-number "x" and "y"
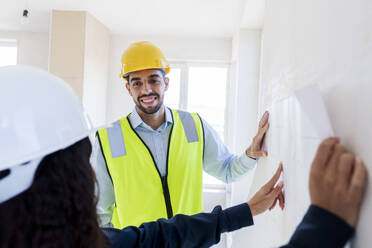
{"x": 172, "y": 96}
{"x": 200, "y": 88}
{"x": 207, "y": 95}
{"x": 8, "y": 52}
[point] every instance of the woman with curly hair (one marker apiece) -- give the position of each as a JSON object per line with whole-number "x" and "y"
{"x": 47, "y": 185}
{"x": 58, "y": 207}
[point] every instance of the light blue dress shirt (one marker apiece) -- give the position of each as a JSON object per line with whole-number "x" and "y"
{"x": 218, "y": 161}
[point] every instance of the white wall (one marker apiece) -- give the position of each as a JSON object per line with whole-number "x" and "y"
{"x": 97, "y": 41}
{"x": 242, "y": 109}
{"x": 328, "y": 43}
{"x": 79, "y": 55}
{"x": 33, "y": 48}
{"x": 119, "y": 103}
{"x": 67, "y": 47}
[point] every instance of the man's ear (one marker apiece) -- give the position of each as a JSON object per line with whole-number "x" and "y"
{"x": 166, "y": 81}
{"x": 128, "y": 88}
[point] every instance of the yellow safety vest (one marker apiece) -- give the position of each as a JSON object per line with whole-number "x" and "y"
{"x": 141, "y": 193}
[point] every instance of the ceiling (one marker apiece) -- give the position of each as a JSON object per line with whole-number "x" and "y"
{"x": 136, "y": 17}
{"x": 253, "y": 16}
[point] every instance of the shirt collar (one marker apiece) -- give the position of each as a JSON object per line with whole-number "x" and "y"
{"x": 136, "y": 120}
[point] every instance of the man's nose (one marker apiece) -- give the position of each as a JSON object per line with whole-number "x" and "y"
{"x": 146, "y": 89}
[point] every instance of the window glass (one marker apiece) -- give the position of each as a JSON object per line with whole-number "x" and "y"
{"x": 172, "y": 95}
{"x": 8, "y": 53}
{"x": 207, "y": 96}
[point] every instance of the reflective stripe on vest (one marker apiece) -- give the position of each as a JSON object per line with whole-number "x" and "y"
{"x": 141, "y": 194}
{"x": 116, "y": 140}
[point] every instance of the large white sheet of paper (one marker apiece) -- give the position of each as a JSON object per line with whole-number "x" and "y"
{"x": 297, "y": 126}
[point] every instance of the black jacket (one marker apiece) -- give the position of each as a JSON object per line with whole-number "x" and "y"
{"x": 319, "y": 228}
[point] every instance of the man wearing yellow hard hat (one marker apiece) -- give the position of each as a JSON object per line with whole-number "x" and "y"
{"x": 150, "y": 163}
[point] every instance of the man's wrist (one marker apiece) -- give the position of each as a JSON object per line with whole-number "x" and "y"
{"x": 247, "y": 153}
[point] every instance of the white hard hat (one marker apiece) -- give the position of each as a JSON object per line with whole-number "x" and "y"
{"x": 39, "y": 114}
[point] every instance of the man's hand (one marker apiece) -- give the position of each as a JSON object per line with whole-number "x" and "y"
{"x": 255, "y": 149}
{"x": 337, "y": 181}
{"x": 267, "y": 197}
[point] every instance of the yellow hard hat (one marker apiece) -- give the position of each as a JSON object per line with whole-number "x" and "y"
{"x": 142, "y": 56}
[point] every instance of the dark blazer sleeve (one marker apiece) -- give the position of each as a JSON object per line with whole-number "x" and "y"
{"x": 320, "y": 228}
{"x": 200, "y": 230}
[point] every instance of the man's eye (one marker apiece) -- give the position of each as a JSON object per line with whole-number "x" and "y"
{"x": 136, "y": 83}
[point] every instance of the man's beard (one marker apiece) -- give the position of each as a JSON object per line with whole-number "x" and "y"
{"x": 151, "y": 111}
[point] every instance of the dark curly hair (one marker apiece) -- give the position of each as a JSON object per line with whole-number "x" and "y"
{"x": 59, "y": 209}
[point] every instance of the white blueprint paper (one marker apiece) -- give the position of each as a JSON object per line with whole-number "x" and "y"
{"x": 297, "y": 126}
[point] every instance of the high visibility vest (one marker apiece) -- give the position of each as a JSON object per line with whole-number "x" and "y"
{"x": 141, "y": 193}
